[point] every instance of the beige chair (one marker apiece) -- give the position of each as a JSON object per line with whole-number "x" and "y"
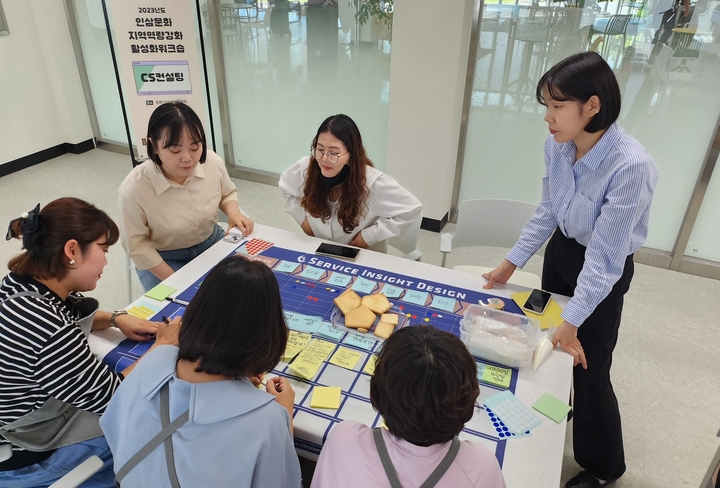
{"x": 493, "y": 223}
{"x": 74, "y": 478}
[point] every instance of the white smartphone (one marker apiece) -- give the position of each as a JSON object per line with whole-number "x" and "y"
{"x": 537, "y": 302}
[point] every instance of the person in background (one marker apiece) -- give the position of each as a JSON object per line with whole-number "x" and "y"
{"x": 234, "y": 434}
{"x": 52, "y": 387}
{"x": 425, "y": 387}
{"x": 169, "y": 204}
{"x": 336, "y": 194}
{"x": 595, "y": 205}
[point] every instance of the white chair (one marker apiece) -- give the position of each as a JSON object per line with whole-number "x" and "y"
{"x": 407, "y": 243}
{"x": 74, "y": 478}
{"x": 492, "y": 223}
{"x": 264, "y": 24}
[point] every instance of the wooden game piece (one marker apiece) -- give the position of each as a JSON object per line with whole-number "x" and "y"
{"x": 390, "y": 318}
{"x": 347, "y": 301}
{"x": 364, "y": 331}
{"x": 360, "y": 318}
{"x": 384, "y": 329}
{"x": 377, "y": 303}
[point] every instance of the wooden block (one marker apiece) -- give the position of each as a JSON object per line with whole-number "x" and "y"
{"x": 384, "y": 329}
{"x": 360, "y": 318}
{"x": 377, "y": 303}
{"x": 390, "y": 318}
{"x": 364, "y": 331}
{"x": 347, "y": 301}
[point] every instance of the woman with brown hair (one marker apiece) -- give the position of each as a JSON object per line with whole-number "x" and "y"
{"x": 52, "y": 387}
{"x": 424, "y": 387}
{"x": 337, "y": 194}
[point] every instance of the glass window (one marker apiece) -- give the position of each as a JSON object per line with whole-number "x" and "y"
{"x": 668, "y": 75}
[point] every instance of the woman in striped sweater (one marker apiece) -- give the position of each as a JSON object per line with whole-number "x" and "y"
{"x": 52, "y": 388}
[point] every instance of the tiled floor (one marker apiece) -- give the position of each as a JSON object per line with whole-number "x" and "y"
{"x": 667, "y": 366}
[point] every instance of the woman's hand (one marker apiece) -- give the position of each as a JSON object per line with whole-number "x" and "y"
{"x": 257, "y": 379}
{"x": 167, "y": 334}
{"x": 280, "y": 388}
{"x": 358, "y": 241}
{"x": 500, "y": 274}
{"x": 136, "y": 328}
{"x": 305, "y": 226}
{"x": 245, "y": 224}
{"x": 566, "y": 335}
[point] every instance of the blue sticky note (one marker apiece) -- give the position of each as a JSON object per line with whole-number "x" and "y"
{"x": 391, "y": 291}
{"x": 480, "y": 370}
{"x": 286, "y": 266}
{"x": 444, "y": 303}
{"x": 416, "y": 297}
{"x": 300, "y": 322}
{"x": 330, "y": 331}
{"x": 363, "y": 341}
{"x": 364, "y": 286}
{"x": 312, "y": 273}
{"x": 339, "y": 279}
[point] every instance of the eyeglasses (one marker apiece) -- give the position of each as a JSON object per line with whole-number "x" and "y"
{"x": 332, "y": 157}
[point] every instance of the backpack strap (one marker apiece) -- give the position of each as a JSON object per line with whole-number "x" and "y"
{"x": 434, "y": 477}
{"x": 162, "y": 437}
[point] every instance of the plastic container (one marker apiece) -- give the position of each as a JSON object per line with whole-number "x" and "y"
{"x": 502, "y": 337}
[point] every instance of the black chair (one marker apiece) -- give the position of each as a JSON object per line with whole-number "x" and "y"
{"x": 615, "y": 26}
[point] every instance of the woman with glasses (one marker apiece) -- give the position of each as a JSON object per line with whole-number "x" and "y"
{"x": 337, "y": 194}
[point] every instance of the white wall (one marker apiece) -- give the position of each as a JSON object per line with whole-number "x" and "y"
{"x": 41, "y": 98}
{"x": 427, "y": 79}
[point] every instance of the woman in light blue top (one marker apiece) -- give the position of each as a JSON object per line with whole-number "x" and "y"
{"x": 230, "y": 432}
{"x": 596, "y": 196}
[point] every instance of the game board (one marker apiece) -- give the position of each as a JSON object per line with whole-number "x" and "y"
{"x": 308, "y": 284}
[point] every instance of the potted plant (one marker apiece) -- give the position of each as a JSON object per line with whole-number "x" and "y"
{"x": 378, "y": 11}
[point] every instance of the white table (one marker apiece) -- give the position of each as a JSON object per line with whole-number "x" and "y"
{"x": 535, "y": 460}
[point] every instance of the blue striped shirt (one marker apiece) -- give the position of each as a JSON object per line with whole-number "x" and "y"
{"x": 603, "y": 202}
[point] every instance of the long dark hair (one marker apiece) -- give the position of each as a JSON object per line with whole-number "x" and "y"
{"x": 62, "y": 219}
{"x": 170, "y": 120}
{"x": 235, "y": 324}
{"x": 353, "y": 191}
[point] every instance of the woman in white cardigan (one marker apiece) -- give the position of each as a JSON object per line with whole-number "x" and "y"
{"x": 337, "y": 194}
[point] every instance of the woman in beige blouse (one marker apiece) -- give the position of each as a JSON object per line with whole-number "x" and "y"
{"x": 169, "y": 203}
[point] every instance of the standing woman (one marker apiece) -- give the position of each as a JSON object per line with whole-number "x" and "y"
{"x": 596, "y": 196}
{"x": 169, "y": 203}
{"x": 337, "y": 194}
{"x": 52, "y": 387}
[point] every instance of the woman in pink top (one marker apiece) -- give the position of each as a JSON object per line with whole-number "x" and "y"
{"x": 425, "y": 387}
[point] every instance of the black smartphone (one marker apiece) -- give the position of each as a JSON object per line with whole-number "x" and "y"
{"x": 338, "y": 251}
{"x": 537, "y": 302}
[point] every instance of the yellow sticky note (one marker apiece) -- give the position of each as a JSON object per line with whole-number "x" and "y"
{"x": 370, "y": 365}
{"x": 345, "y": 358}
{"x": 297, "y": 341}
{"x": 326, "y": 397}
{"x": 552, "y": 316}
{"x": 309, "y": 360}
{"x": 497, "y": 376}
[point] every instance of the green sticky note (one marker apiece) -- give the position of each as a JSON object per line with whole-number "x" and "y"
{"x": 551, "y": 407}
{"x": 497, "y": 376}
{"x": 160, "y": 292}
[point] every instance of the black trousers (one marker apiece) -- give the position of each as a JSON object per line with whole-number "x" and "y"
{"x": 597, "y": 431}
